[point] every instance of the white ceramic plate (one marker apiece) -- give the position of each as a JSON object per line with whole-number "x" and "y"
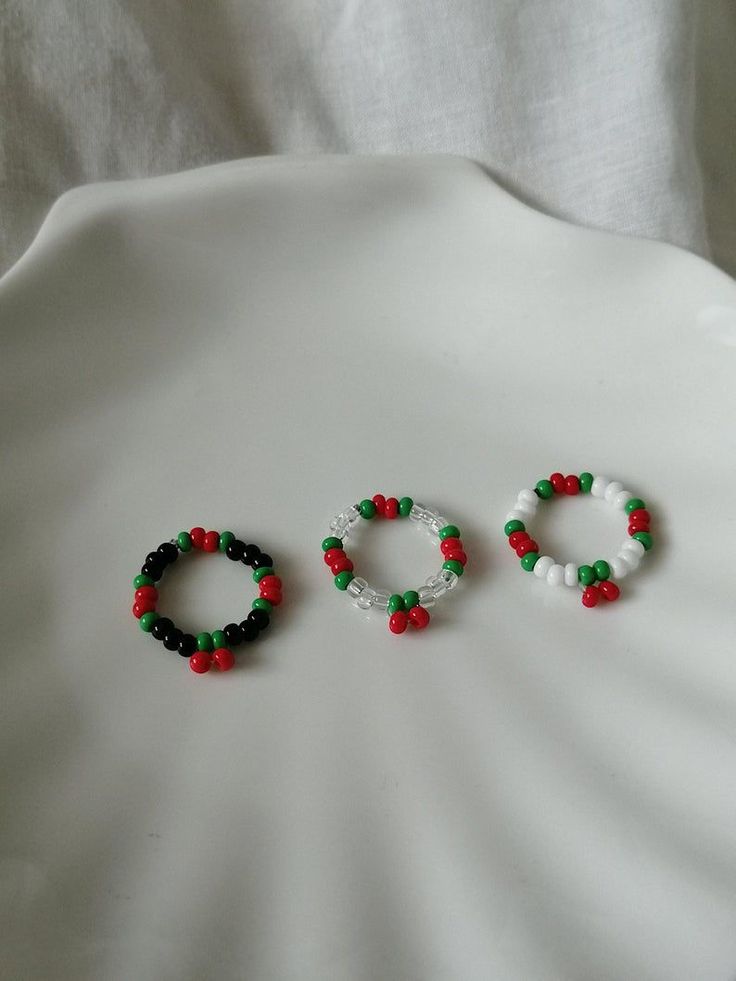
{"x": 527, "y": 789}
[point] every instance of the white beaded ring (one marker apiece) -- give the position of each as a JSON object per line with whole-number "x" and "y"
{"x": 597, "y": 579}
{"x": 409, "y": 608}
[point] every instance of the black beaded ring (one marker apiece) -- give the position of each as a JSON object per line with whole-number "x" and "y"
{"x": 206, "y": 649}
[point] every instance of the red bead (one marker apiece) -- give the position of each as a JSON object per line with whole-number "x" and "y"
{"x": 211, "y": 541}
{"x": 397, "y": 622}
{"x": 380, "y": 501}
{"x": 146, "y": 592}
{"x": 558, "y": 483}
{"x": 197, "y": 536}
{"x": 635, "y": 526}
{"x": 143, "y": 606}
{"x": 517, "y": 537}
{"x": 609, "y": 590}
{"x": 572, "y": 484}
{"x": 457, "y": 556}
{"x": 392, "y": 507}
{"x": 641, "y": 514}
{"x": 223, "y": 658}
{"x": 273, "y": 596}
{"x": 333, "y": 554}
{"x": 418, "y": 617}
{"x": 450, "y": 545}
{"x": 200, "y": 662}
{"x": 342, "y": 565}
{"x": 591, "y": 595}
{"x": 271, "y": 582}
{"x": 526, "y": 546}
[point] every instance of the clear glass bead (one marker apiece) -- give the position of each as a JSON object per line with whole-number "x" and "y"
{"x": 436, "y": 524}
{"x": 437, "y": 585}
{"x": 417, "y": 512}
{"x": 381, "y": 599}
{"x": 365, "y": 600}
{"x": 352, "y": 513}
{"x": 426, "y": 596}
{"x": 356, "y": 586}
{"x": 449, "y": 577}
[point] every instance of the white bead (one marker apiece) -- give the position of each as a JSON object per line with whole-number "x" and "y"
{"x": 542, "y": 566}
{"x": 556, "y": 575}
{"x": 365, "y": 600}
{"x": 426, "y": 596}
{"x": 380, "y": 600}
{"x": 633, "y": 545}
{"x": 516, "y": 516}
{"x": 529, "y": 497}
{"x": 571, "y": 574}
{"x": 630, "y": 558}
{"x": 450, "y": 577}
{"x": 621, "y": 499}
{"x": 525, "y": 508}
{"x": 598, "y": 487}
{"x": 614, "y": 488}
{"x": 356, "y": 586}
{"x": 619, "y": 567}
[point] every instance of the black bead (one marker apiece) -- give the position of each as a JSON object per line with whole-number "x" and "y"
{"x": 260, "y": 618}
{"x": 263, "y": 561}
{"x": 251, "y": 554}
{"x": 187, "y": 645}
{"x": 235, "y": 550}
{"x": 153, "y": 570}
{"x": 250, "y": 630}
{"x": 172, "y": 638}
{"x": 155, "y": 558}
{"x": 234, "y": 634}
{"x": 168, "y": 552}
{"x": 161, "y": 627}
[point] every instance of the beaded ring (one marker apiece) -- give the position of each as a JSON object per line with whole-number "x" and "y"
{"x": 206, "y": 649}
{"x": 412, "y": 607}
{"x": 597, "y": 579}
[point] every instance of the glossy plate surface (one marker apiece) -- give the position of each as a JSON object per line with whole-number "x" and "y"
{"x": 526, "y": 789}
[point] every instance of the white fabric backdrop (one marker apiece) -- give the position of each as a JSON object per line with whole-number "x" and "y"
{"x": 613, "y": 113}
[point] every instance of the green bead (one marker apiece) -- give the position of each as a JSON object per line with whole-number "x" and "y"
{"x": 586, "y": 575}
{"x": 147, "y": 621}
{"x": 634, "y": 504}
{"x": 405, "y": 506}
{"x": 141, "y": 580}
{"x": 262, "y": 604}
{"x": 343, "y": 579}
{"x": 545, "y": 489}
{"x": 260, "y": 573}
{"x": 225, "y": 538}
{"x": 218, "y": 639}
{"x": 204, "y": 642}
{"x": 184, "y": 541}
{"x": 331, "y": 542}
{"x": 645, "y": 538}
{"x": 449, "y": 531}
{"x": 586, "y": 482}
{"x": 395, "y": 603}
{"x": 602, "y": 570}
{"x": 367, "y": 509}
{"x": 453, "y": 566}
{"x": 511, "y": 526}
{"x": 529, "y": 560}
{"x": 411, "y": 599}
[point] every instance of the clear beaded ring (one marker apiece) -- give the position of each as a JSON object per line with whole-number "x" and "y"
{"x": 410, "y": 608}
{"x": 597, "y": 579}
